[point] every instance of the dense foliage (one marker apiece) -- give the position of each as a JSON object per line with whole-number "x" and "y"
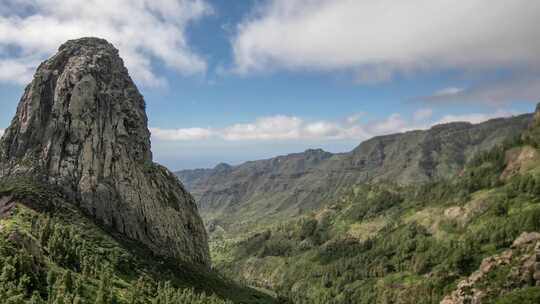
{"x": 385, "y": 243}
{"x": 53, "y": 254}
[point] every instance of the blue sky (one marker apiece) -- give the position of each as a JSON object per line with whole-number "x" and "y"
{"x": 230, "y": 81}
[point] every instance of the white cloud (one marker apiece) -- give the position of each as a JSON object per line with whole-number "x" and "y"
{"x": 290, "y": 128}
{"x": 181, "y": 134}
{"x": 274, "y": 127}
{"x": 323, "y": 129}
{"x": 376, "y": 39}
{"x": 474, "y": 117}
{"x": 17, "y": 70}
{"x": 448, "y": 91}
{"x": 2, "y": 132}
{"x": 280, "y": 128}
{"x": 143, "y": 30}
{"x": 394, "y": 123}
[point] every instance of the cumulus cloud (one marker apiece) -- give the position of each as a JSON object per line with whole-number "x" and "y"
{"x": 1, "y": 132}
{"x": 284, "y": 128}
{"x": 376, "y": 39}
{"x": 275, "y": 127}
{"x": 17, "y": 70}
{"x": 181, "y": 134}
{"x": 357, "y": 127}
{"x": 271, "y": 128}
{"x": 145, "y": 31}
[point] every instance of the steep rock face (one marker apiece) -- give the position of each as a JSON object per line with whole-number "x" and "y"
{"x": 292, "y": 184}
{"x": 81, "y": 124}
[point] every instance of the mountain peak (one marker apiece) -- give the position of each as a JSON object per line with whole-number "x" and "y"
{"x": 86, "y": 42}
{"x": 222, "y": 167}
{"x": 315, "y": 151}
{"x": 81, "y": 125}
{"x": 83, "y": 84}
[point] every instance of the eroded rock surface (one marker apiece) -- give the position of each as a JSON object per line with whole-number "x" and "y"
{"x": 81, "y": 124}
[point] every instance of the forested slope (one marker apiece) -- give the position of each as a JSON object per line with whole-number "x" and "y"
{"x": 382, "y": 242}
{"x": 257, "y": 193}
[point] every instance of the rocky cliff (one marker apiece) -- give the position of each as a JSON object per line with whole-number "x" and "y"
{"x": 289, "y": 185}
{"x": 81, "y": 125}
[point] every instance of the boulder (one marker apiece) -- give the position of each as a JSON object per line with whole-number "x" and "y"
{"x": 526, "y": 238}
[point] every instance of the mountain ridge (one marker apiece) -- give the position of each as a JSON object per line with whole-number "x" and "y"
{"x": 292, "y": 184}
{"x": 470, "y": 238}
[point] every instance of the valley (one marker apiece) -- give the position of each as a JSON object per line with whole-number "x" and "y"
{"x": 256, "y": 193}
{"x": 419, "y": 180}
{"x": 377, "y": 240}
{"x": 447, "y": 215}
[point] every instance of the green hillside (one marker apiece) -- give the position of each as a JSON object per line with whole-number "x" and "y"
{"x": 51, "y": 253}
{"x": 259, "y": 193}
{"x": 386, "y": 243}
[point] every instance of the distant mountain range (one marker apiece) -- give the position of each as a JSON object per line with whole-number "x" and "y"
{"x": 278, "y": 188}
{"x": 470, "y": 238}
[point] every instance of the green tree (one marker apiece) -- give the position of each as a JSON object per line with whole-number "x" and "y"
{"x": 36, "y": 298}
{"x": 103, "y": 293}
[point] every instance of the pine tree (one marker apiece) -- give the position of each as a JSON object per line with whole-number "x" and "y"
{"x": 17, "y": 299}
{"x": 136, "y": 292}
{"x": 103, "y": 292}
{"x": 79, "y": 286}
{"x": 60, "y": 298}
{"x": 36, "y": 299}
{"x": 8, "y": 271}
{"x": 114, "y": 299}
{"x": 51, "y": 280}
{"x": 46, "y": 232}
{"x": 67, "y": 281}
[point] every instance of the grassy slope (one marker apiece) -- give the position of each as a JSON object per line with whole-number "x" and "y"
{"x": 385, "y": 243}
{"x": 22, "y": 227}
